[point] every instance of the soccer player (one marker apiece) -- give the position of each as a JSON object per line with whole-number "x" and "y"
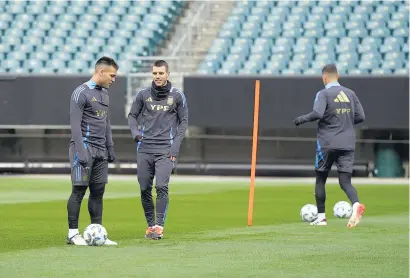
{"x": 158, "y": 120}
{"x": 91, "y": 146}
{"x": 337, "y": 110}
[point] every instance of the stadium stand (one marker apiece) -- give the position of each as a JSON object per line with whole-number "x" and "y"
{"x": 299, "y": 37}
{"x": 68, "y": 36}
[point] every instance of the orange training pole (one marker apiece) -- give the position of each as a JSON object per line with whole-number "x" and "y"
{"x": 254, "y": 151}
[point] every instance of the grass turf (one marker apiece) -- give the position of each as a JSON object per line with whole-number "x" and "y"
{"x": 205, "y": 233}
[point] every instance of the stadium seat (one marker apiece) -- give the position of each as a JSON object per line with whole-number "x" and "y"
{"x": 405, "y": 48}
{"x": 310, "y": 71}
{"x": 290, "y": 71}
{"x": 371, "y": 41}
{"x": 321, "y": 48}
{"x": 368, "y": 64}
{"x": 362, "y": 37}
{"x": 402, "y": 71}
{"x": 367, "y": 48}
{"x": 382, "y": 71}
{"x": 316, "y": 31}
{"x": 401, "y": 32}
{"x": 394, "y": 62}
{"x": 278, "y": 64}
{"x": 354, "y": 71}
{"x": 270, "y": 71}
{"x": 51, "y": 24}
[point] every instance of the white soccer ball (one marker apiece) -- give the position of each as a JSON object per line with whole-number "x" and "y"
{"x": 342, "y": 209}
{"x": 95, "y": 235}
{"x": 308, "y": 213}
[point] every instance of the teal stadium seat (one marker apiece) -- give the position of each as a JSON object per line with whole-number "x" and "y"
{"x": 300, "y": 37}
{"x": 356, "y": 71}
{"x": 289, "y": 71}
{"x": 402, "y": 71}
{"x": 265, "y": 4}
{"x": 381, "y": 71}
{"x": 405, "y": 48}
{"x": 26, "y": 24}
{"x": 349, "y": 58}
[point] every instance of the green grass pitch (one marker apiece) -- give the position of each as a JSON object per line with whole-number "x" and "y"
{"x": 206, "y": 233}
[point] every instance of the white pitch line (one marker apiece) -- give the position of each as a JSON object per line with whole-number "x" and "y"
{"x": 228, "y": 179}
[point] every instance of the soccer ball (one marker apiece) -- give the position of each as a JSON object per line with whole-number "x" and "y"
{"x": 342, "y": 209}
{"x": 308, "y": 213}
{"x": 95, "y": 235}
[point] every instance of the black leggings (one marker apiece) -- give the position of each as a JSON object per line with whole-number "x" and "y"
{"x": 95, "y": 204}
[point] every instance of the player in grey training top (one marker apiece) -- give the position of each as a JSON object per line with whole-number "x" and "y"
{"x": 337, "y": 110}
{"x": 158, "y": 120}
{"x": 91, "y": 146}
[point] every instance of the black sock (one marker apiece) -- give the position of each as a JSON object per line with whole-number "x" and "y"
{"x": 320, "y": 191}
{"x": 345, "y": 181}
{"x": 148, "y": 206}
{"x": 162, "y": 205}
{"x": 74, "y": 205}
{"x": 95, "y": 202}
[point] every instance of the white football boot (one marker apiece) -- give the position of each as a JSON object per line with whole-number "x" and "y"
{"x": 158, "y": 232}
{"x": 358, "y": 210}
{"x": 319, "y": 222}
{"x": 109, "y": 242}
{"x": 77, "y": 240}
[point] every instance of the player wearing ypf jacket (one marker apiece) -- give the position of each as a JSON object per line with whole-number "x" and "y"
{"x": 158, "y": 120}
{"x": 91, "y": 146}
{"x": 337, "y": 110}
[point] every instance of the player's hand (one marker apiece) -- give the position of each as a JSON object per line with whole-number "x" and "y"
{"x": 82, "y": 160}
{"x": 111, "y": 154}
{"x": 297, "y": 121}
{"x": 173, "y": 158}
{"x": 138, "y": 138}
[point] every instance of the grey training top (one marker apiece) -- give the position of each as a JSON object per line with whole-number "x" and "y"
{"x": 339, "y": 109}
{"x": 89, "y": 117}
{"x": 162, "y": 124}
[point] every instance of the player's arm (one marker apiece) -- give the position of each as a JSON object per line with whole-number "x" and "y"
{"x": 319, "y": 108}
{"x": 133, "y": 116}
{"x": 108, "y": 140}
{"x": 359, "y": 115}
{"x": 77, "y": 105}
{"x": 182, "y": 112}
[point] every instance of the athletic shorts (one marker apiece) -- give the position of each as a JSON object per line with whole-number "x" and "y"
{"x": 96, "y": 170}
{"x": 344, "y": 160}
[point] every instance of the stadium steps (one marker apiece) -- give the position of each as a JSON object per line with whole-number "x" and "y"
{"x": 218, "y": 13}
{"x": 220, "y": 10}
{"x": 179, "y": 28}
{"x": 189, "y": 10}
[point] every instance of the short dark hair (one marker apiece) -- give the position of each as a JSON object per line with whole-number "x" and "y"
{"x": 330, "y": 68}
{"x": 160, "y": 63}
{"x": 107, "y": 61}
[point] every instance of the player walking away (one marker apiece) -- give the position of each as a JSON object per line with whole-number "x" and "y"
{"x": 158, "y": 120}
{"x": 91, "y": 146}
{"x": 338, "y": 110}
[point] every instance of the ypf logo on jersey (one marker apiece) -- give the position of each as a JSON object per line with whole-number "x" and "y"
{"x": 157, "y": 107}
{"x": 343, "y": 110}
{"x": 100, "y": 113}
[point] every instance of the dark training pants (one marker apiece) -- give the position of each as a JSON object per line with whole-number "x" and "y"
{"x": 160, "y": 166}
{"x": 344, "y": 160}
{"x": 94, "y": 177}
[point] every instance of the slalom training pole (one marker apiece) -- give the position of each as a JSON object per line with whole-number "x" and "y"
{"x": 254, "y": 151}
